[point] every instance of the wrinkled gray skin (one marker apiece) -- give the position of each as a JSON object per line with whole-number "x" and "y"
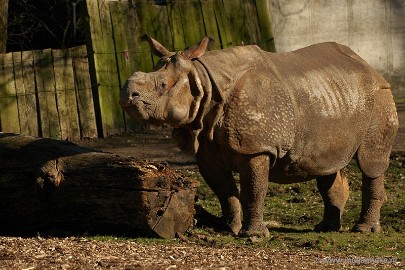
{"x": 285, "y": 118}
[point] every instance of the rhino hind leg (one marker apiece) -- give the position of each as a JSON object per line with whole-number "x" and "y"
{"x": 373, "y": 197}
{"x": 334, "y": 190}
{"x": 373, "y": 160}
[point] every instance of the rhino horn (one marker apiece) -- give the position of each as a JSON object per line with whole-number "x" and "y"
{"x": 157, "y": 48}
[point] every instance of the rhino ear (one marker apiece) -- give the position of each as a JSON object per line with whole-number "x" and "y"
{"x": 199, "y": 49}
{"x": 156, "y": 47}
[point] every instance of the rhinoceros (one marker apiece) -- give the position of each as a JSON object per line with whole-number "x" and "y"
{"x": 280, "y": 117}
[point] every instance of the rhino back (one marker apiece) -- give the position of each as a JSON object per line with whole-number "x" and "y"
{"x": 309, "y": 108}
{"x": 333, "y": 92}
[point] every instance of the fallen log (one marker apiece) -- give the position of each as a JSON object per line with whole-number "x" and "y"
{"x": 56, "y": 185}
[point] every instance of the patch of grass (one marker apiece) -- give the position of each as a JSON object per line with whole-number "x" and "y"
{"x": 293, "y": 210}
{"x": 369, "y": 245}
{"x": 108, "y": 238}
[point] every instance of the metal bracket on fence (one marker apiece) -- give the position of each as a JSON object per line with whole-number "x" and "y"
{"x": 125, "y": 54}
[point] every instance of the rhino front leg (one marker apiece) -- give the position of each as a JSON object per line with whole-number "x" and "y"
{"x": 334, "y": 190}
{"x": 222, "y": 183}
{"x": 254, "y": 177}
{"x": 373, "y": 197}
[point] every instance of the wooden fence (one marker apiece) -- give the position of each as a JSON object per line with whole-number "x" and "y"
{"x": 47, "y": 93}
{"x": 73, "y": 94}
{"x": 116, "y": 27}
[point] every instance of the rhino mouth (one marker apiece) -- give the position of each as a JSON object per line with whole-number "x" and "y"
{"x": 132, "y": 103}
{"x": 138, "y": 110}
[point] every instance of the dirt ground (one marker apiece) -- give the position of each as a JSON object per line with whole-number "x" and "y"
{"x": 84, "y": 253}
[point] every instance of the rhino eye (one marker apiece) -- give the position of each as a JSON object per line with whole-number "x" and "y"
{"x": 162, "y": 85}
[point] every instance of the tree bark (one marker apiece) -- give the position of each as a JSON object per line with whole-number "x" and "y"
{"x": 3, "y": 25}
{"x": 56, "y": 186}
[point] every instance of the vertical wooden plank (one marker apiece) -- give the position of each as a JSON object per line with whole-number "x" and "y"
{"x": 9, "y": 119}
{"x": 105, "y": 67}
{"x": 192, "y": 21}
{"x": 224, "y": 26}
{"x": 119, "y": 11}
{"x": 90, "y": 11}
{"x": 251, "y": 30}
{"x": 60, "y": 96}
{"x": 45, "y": 81}
{"x": 266, "y": 33}
{"x": 139, "y": 54}
{"x": 28, "y": 84}
{"x": 161, "y": 28}
{"x": 175, "y": 15}
{"x": 100, "y": 63}
{"x": 210, "y": 23}
{"x": 124, "y": 54}
{"x": 235, "y": 13}
{"x": 157, "y": 25}
{"x": 119, "y": 20}
{"x": 109, "y": 92}
{"x": 20, "y": 91}
{"x": 66, "y": 96}
{"x": 84, "y": 96}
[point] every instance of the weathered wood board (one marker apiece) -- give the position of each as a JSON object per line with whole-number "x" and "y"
{"x": 9, "y": 119}
{"x": 224, "y": 27}
{"x": 45, "y": 82}
{"x": 124, "y": 40}
{"x": 84, "y": 95}
{"x": 28, "y": 84}
{"x": 210, "y": 22}
{"x": 65, "y": 95}
{"x": 51, "y": 185}
{"x": 107, "y": 76}
{"x": 267, "y": 39}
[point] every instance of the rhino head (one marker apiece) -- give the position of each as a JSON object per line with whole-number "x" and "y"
{"x": 172, "y": 93}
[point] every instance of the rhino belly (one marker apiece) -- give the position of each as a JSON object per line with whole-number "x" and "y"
{"x": 322, "y": 147}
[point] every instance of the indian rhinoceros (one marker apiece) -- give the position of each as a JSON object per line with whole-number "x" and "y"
{"x": 280, "y": 117}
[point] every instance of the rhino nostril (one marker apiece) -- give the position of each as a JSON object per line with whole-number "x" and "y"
{"x": 135, "y": 95}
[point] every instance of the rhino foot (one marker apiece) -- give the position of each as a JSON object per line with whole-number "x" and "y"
{"x": 325, "y": 226}
{"x": 234, "y": 226}
{"x": 367, "y": 228}
{"x": 259, "y": 231}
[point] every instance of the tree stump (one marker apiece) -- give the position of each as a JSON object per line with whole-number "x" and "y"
{"x": 48, "y": 184}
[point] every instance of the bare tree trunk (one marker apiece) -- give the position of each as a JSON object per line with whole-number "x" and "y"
{"x": 48, "y": 185}
{"x": 3, "y": 25}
